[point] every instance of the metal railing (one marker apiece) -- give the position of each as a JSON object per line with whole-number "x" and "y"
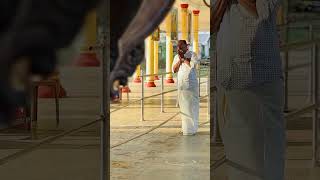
{"x": 142, "y": 91}
{"x": 301, "y": 25}
{"x": 100, "y": 119}
{"x": 287, "y": 46}
{"x": 314, "y": 106}
{"x": 162, "y": 93}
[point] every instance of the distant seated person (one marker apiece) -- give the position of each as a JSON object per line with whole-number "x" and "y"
{"x": 184, "y": 64}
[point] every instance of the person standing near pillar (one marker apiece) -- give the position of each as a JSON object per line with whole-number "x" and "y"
{"x": 184, "y": 35}
{"x": 250, "y": 88}
{"x": 188, "y": 92}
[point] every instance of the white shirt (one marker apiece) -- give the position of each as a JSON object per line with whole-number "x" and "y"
{"x": 187, "y": 73}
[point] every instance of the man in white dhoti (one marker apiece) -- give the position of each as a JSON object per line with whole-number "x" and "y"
{"x": 184, "y": 64}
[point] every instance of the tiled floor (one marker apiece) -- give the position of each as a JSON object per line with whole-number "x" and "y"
{"x": 159, "y": 154}
{"x": 298, "y": 164}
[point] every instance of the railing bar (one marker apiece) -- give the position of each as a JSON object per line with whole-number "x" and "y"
{"x": 297, "y": 113}
{"x": 315, "y": 118}
{"x": 298, "y": 45}
{"x": 162, "y": 95}
{"x": 296, "y": 26}
{"x": 298, "y": 66}
{"x": 142, "y": 96}
{"x": 146, "y": 75}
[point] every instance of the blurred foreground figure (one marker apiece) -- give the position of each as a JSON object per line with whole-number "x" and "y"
{"x": 184, "y": 64}
{"x": 250, "y": 88}
{"x": 119, "y": 25}
{"x": 32, "y": 31}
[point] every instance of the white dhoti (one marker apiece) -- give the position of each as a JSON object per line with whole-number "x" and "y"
{"x": 189, "y": 108}
{"x": 188, "y": 95}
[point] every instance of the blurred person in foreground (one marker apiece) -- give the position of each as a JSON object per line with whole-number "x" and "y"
{"x": 250, "y": 88}
{"x": 184, "y": 64}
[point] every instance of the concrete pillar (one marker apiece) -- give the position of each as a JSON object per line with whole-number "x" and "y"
{"x": 156, "y": 59}
{"x": 137, "y": 78}
{"x": 150, "y": 61}
{"x": 88, "y": 55}
{"x": 184, "y": 21}
{"x": 169, "y": 48}
{"x": 195, "y": 29}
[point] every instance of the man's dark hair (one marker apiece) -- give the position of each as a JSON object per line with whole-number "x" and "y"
{"x": 182, "y": 42}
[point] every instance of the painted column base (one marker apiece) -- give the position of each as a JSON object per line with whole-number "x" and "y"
{"x": 137, "y": 80}
{"x": 151, "y": 84}
{"x": 169, "y": 81}
{"x": 126, "y": 89}
{"x": 87, "y": 60}
{"x": 49, "y": 92}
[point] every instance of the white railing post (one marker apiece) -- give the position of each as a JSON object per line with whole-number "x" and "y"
{"x": 311, "y": 69}
{"x": 162, "y": 95}
{"x": 286, "y": 65}
{"x": 142, "y": 96}
{"x": 208, "y": 93}
{"x": 104, "y": 54}
{"x": 208, "y": 84}
{"x": 199, "y": 74}
{"x": 315, "y": 138}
